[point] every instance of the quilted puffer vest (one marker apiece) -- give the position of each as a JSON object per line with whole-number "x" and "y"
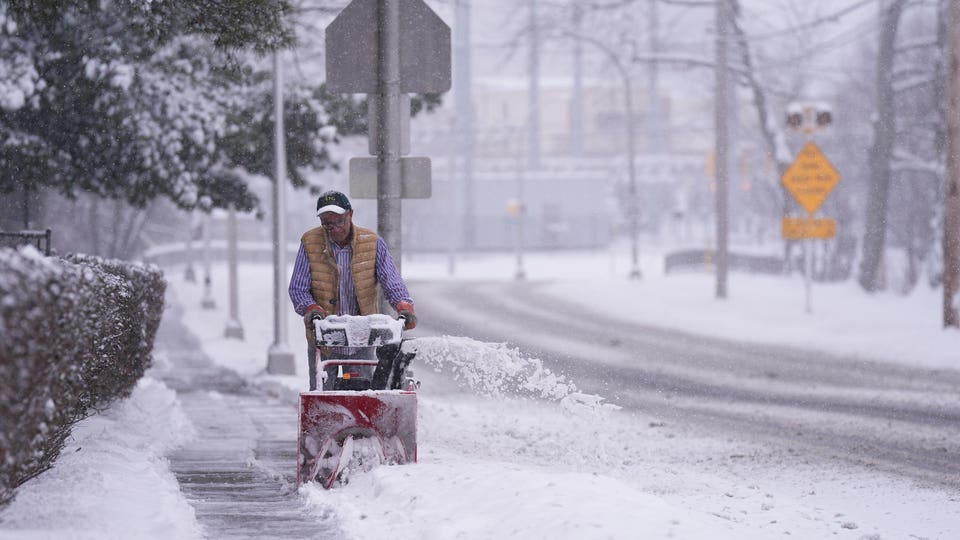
{"x": 324, "y": 276}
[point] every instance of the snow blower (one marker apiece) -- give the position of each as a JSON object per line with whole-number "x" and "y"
{"x": 365, "y": 412}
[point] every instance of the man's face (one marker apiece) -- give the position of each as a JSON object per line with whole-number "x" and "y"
{"x": 337, "y": 225}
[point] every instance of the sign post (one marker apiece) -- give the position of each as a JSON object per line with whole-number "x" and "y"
{"x": 388, "y": 49}
{"x": 810, "y": 179}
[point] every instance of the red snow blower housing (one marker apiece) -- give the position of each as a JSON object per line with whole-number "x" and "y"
{"x": 365, "y": 412}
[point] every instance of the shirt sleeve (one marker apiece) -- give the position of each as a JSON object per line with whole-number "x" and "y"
{"x": 394, "y": 289}
{"x": 299, "y": 289}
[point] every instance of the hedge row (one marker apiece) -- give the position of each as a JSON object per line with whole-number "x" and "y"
{"x": 76, "y": 333}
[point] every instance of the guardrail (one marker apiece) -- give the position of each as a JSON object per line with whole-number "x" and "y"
{"x": 178, "y": 253}
{"x": 22, "y": 238}
{"x": 704, "y": 258}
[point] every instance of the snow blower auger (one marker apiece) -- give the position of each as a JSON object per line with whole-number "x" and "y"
{"x": 365, "y": 412}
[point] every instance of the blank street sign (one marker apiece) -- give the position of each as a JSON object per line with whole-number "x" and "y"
{"x": 351, "y": 41}
{"x": 416, "y": 179}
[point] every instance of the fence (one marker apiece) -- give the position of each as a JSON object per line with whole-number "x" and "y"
{"x": 16, "y": 239}
{"x": 704, "y": 258}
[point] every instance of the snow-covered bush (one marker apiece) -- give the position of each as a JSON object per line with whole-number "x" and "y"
{"x": 75, "y": 334}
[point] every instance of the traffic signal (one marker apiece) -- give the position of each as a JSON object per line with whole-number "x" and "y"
{"x": 795, "y": 120}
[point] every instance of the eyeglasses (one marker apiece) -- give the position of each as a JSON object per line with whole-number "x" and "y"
{"x": 336, "y": 223}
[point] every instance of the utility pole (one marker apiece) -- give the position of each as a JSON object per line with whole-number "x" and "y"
{"x": 463, "y": 102}
{"x": 533, "y": 157}
{"x": 722, "y": 144}
{"x": 576, "y": 100}
{"x": 453, "y": 236}
{"x": 520, "y": 210}
{"x": 633, "y": 202}
{"x": 653, "y": 134}
{"x": 207, "y": 302}
{"x": 234, "y": 328}
{"x": 189, "y": 274}
{"x": 951, "y": 202}
{"x": 388, "y": 142}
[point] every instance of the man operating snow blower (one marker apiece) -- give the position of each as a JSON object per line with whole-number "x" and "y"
{"x": 365, "y": 413}
{"x": 339, "y": 270}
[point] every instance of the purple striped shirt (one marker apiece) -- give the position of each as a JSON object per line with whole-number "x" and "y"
{"x": 394, "y": 289}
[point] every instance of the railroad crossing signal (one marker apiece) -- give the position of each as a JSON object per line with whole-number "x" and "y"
{"x": 810, "y": 178}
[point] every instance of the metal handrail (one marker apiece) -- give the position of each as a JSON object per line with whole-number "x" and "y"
{"x": 21, "y": 238}
{"x": 704, "y": 259}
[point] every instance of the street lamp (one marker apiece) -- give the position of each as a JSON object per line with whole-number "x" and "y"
{"x": 633, "y": 209}
{"x": 279, "y": 357}
{"x": 234, "y": 328}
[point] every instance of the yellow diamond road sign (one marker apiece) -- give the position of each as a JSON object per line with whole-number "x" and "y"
{"x": 810, "y": 178}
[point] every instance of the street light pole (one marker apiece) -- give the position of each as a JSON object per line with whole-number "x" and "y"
{"x": 951, "y": 201}
{"x": 521, "y": 211}
{"x": 633, "y": 203}
{"x": 633, "y": 207}
{"x": 234, "y": 329}
{"x": 533, "y": 150}
{"x": 721, "y": 146}
{"x": 207, "y": 302}
{"x": 388, "y": 142}
{"x": 279, "y": 357}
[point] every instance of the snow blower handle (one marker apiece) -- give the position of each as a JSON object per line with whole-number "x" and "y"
{"x": 358, "y": 330}
{"x": 406, "y": 313}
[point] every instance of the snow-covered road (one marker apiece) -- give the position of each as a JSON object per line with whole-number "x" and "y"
{"x": 903, "y": 421}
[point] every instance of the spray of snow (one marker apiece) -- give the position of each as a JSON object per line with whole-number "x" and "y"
{"x": 498, "y": 370}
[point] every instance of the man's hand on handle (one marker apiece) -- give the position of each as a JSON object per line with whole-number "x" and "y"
{"x": 313, "y": 312}
{"x": 405, "y": 310}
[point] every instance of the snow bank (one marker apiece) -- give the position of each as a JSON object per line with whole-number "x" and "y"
{"x": 111, "y": 481}
{"x": 75, "y": 334}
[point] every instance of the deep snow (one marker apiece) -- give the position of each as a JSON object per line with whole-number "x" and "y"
{"x": 494, "y": 466}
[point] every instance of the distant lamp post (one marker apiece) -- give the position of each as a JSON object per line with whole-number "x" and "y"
{"x": 633, "y": 207}
{"x": 190, "y": 273}
{"x": 279, "y": 357}
{"x": 517, "y": 209}
{"x": 234, "y": 329}
{"x": 207, "y": 302}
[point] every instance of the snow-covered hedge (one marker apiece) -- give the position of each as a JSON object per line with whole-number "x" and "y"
{"x": 76, "y": 333}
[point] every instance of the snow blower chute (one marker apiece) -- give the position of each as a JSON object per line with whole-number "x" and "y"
{"x": 364, "y": 412}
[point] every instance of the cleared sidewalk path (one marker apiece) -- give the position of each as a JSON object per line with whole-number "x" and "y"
{"x": 240, "y": 471}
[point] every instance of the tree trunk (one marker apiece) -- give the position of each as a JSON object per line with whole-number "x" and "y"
{"x": 771, "y": 136}
{"x": 115, "y": 233}
{"x": 94, "y": 224}
{"x": 951, "y": 203}
{"x": 881, "y": 153}
{"x": 137, "y": 218}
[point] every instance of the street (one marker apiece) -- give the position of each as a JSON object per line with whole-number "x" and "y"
{"x": 905, "y": 422}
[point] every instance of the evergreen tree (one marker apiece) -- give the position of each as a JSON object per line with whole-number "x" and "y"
{"x": 138, "y": 100}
